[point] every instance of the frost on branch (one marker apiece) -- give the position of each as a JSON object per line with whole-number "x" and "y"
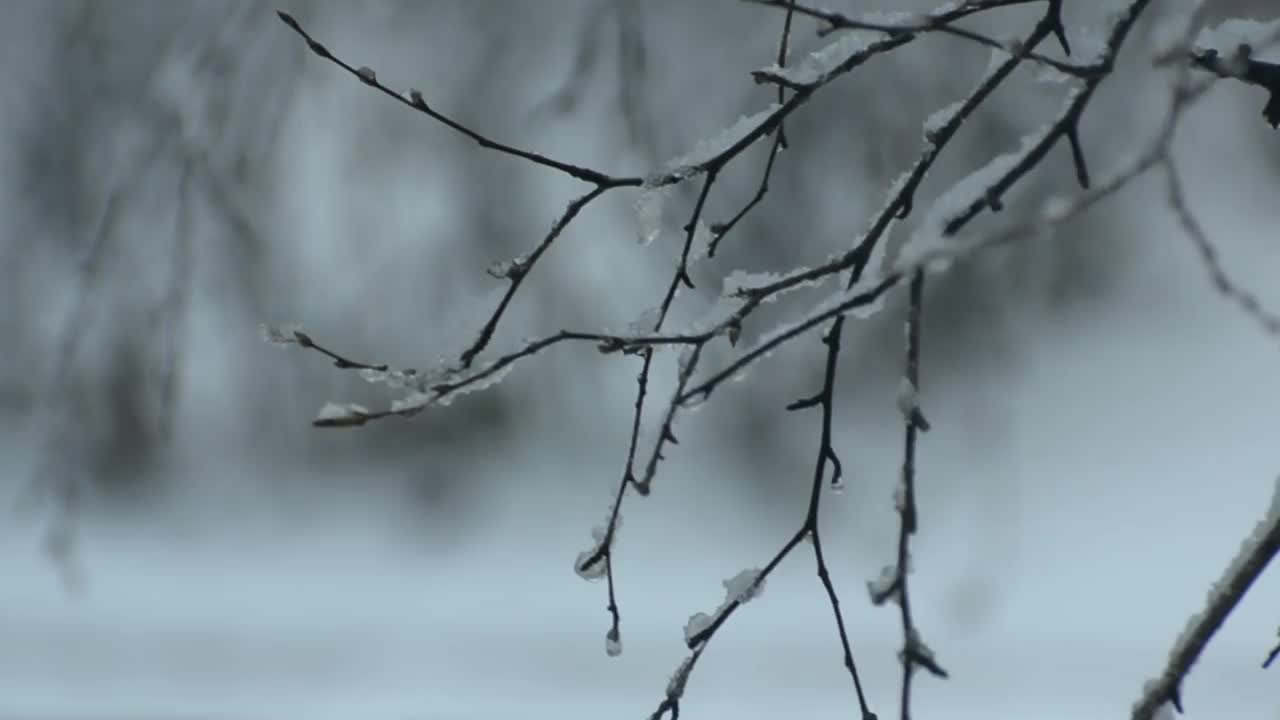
{"x": 391, "y": 377}
{"x": 1256, "y": 552}
{"x": 484, "y": 379}
{"x": 941, "y": 118}
{"x": 710, "y": 149}
{"x": 742, "y": 284}
{"x": 978, "y": 188}
{"x": 815, "y": 67}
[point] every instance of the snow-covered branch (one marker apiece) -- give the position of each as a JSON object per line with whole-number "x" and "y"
{"x": 867, "y": 274}
{"x": 1256, "y": 552}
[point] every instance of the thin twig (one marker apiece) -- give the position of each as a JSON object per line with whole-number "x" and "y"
{"x": 1257, "y": 551}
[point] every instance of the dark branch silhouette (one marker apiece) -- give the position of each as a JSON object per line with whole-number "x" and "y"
{"x": 940, "y": 239}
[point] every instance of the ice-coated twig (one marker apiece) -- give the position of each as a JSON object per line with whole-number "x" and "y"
{"x": 1255, "y": 553}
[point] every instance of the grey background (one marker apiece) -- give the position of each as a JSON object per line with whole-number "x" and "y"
{"x": 175, "y": 174}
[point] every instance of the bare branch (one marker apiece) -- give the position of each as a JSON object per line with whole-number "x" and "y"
{"x": 415, "y": 100}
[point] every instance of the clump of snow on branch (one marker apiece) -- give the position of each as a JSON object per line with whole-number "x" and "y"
{"x": 513, "y": 268}
{"x": 918, "y": 652}
{"x": 342, "y": 413}
{"x": 391, "y": 377}
{"x": 884, "y": 585}
{"x": 1229, "y": 35}
{"x": 602, "y": 542}
{"x": 596, "y": 569}
{"x": 613, "y": 642}
{"x": 739, "y": 590}
{"x": 939, "y": 119}
{"x": 745, "y": 586}
{"x": 697, "y": 624}
{"x": 908, "y": 398}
